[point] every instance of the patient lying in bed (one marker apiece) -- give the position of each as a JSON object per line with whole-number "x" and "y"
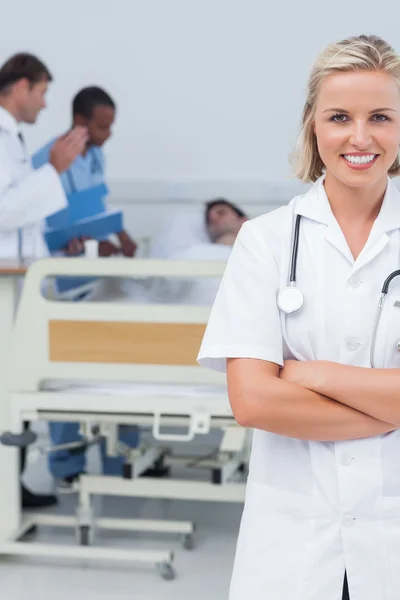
{"x": 223, "y": 221}
{"x": 221, "y": 225}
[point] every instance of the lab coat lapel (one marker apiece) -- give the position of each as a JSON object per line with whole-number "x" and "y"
{"x": 315, "y": 206}
{"x": 373, "y": 248}
{"x": 387, "y": 220}
{"x": 334, "y": 235}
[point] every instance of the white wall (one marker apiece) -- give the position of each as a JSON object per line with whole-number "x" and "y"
{"x": 209, "y": 91}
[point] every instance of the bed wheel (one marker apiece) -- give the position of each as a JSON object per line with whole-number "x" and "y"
{"x": 188, "y": 541}
{"x": 166, "y": 571}
{"x": 84, "y": 535}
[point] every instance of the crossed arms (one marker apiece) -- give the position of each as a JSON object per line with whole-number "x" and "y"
{"x": 314, "y": 400}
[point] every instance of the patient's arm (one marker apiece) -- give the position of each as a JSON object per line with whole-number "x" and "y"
{"x": 261, "y": 400}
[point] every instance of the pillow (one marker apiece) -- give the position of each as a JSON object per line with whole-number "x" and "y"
{"x": 179, "y": 232}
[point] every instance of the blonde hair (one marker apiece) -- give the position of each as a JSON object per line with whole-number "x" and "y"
{"x": 361, "y": 53}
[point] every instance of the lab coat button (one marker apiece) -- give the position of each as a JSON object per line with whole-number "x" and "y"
{"x": 348, "y": 520}
{"x": 352, "y": 344}
{"x": 355, "y": 281}
{"x": 346, "y": 460}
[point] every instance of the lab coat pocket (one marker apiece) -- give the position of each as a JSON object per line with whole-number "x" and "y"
{"x": 391, "y": 508}
{"x": 272, "y": 557}
{"x": 283, "y": 501}
{"x": 391, "y": 529}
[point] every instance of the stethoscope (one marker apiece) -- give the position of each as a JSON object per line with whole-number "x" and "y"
{"x": 96, "y": 168}
{"x": 290, "y": 299}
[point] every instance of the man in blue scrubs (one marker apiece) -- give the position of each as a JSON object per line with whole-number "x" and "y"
{"x": 94, "y": 109}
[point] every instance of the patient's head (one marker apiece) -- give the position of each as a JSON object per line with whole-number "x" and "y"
{"x": 223, "y": 221}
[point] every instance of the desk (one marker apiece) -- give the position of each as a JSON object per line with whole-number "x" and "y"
{"x": 11, "y": 272}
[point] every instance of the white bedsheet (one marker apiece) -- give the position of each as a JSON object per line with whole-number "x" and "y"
{"x": 189, "y": 291}
{"x": 135, "y": 389}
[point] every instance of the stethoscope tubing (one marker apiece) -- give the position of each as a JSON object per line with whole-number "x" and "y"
{"x": 292, "y": 284}
{"x": 96, "y": 167}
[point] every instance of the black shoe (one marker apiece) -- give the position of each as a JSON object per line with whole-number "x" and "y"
{"x": 31, "y": 500}
{"x": 156, "y": 471}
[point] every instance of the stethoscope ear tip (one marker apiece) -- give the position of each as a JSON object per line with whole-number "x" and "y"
{"x": 290, "y": 299}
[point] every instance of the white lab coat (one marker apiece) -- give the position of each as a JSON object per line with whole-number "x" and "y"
{"x": 26, "y": 196}
{"x": 314, "y": 509}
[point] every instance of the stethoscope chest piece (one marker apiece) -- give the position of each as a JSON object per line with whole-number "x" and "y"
{"x": 290, "y": 299}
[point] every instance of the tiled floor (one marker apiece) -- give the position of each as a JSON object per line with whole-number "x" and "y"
{"x": 206, "y": 569}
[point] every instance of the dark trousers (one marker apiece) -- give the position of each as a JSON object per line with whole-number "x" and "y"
{"x": 345, "y": 595}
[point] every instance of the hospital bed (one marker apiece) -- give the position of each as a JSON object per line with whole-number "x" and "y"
{"x": 103, "y": 364}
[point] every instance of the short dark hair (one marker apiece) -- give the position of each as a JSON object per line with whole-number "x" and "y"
{"x": 211, "y": 203}
{"x": 23, "y": 66}
{"x": 87, "y": 99}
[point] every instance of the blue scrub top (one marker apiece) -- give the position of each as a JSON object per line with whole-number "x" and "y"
{"x": 85, "y": 172}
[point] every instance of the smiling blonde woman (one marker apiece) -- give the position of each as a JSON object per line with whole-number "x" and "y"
{"x": 322, "y": 512}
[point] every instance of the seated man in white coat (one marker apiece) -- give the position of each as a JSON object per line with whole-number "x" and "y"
{"x": 26, "y": 196}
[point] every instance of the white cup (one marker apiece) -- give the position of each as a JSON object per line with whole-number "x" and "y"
{"x": 91, "y": 248}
